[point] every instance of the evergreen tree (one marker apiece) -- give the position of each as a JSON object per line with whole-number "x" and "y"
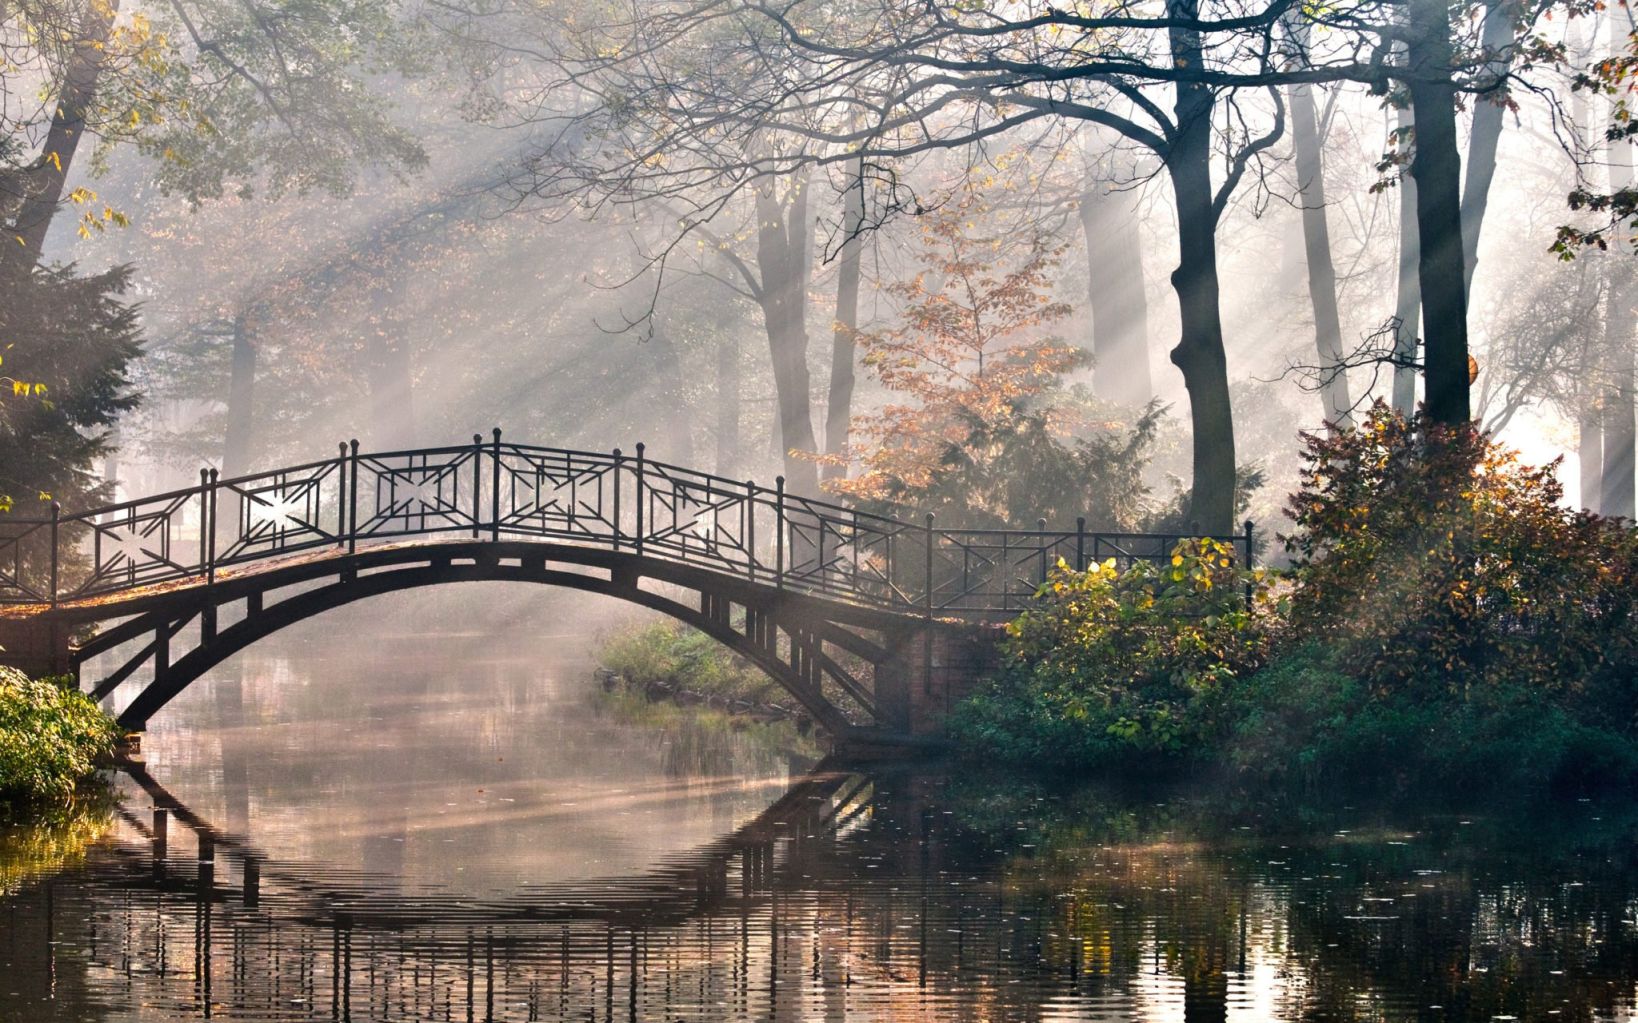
{"x": 67, "y": 341}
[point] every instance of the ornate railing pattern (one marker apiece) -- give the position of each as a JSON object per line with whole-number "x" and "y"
{"x": 494, "y": 490}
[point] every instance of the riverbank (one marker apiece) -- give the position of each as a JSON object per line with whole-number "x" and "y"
{"x": 668, "y": 662}
{"x": 1447, "y": 625}
{"x": 52, "y": 740}
{"x": 689, "y": 688}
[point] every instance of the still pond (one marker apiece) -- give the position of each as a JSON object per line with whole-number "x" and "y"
{"x": 384, "y": 821}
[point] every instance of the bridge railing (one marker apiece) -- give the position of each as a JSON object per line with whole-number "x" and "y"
{"x": 496, "y": 490}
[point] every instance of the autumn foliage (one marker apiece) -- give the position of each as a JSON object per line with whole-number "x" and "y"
{"x": 1439, "y": 564}
{"x": 968, "y": 356}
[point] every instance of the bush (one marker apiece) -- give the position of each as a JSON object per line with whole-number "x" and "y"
{"x": 1285, "y": 720}
{"x": 1438, "y": 566}
{"x": 52, "y": 737}
{"x": 1121, "y": 664}
{"x": 1446, "y": 621}
{"x": 672, "y": 655}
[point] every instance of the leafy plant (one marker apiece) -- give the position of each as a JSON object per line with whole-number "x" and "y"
{"x": 52, "y": 737}
{"x": 1437, "y": 565}
{"x": 1114, "y": 662}
{"x": 1446, "y": 621}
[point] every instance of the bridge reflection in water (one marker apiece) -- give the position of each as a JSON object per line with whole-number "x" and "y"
{"x": 853, "y": 897}
{"x": 185, "y": 917}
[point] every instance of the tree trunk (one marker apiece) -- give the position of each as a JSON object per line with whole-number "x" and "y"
{"x": 1589, "y": 456}
{"x": 1322, "y": 276}
{"x": 111, "y": 466}
{"x": 1616, "y": 483}
{"x": 728, "y": 405}
{"x": 671, "y": 396}
{"x": 1408, "y": 303}
{"x": 1199, "y": 352}
{"x": 1437, "y": 167}
{"x": 79, "y": 90}
{"x": 1488, "y": 120}
{"x": 839, "y": 402}
{"x": 239, "y": 438}
{"x": 1115, "y": 291}
{"x": 1620, "y": 316}
{"x": 782, "y": 260}
{"x": 391, "y": 377}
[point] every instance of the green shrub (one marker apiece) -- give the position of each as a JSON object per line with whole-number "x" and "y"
{"x": 1114, "y": 664}
{"x": 52, "y": 737}
{"x": 671, "y": 654}
{"x": 1446, "y": 621}
{"x": 1282, "y": 721}
{"x": 1305, "y": 721}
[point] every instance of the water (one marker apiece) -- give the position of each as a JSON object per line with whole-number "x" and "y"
{"x": 383, "y": 822}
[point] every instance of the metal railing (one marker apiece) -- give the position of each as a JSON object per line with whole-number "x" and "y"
{"x": 497, "y": 490}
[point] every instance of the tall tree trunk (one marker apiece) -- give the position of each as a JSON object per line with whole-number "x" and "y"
{"x": 1322, "y": 276}
{"x": 1408, "y": 301}
{"x": 671, "y": 395}
{"x": 1115, "y": 291}
{"x": 239, "y": 438}
{"x": 1199, "y": 352}
{"x": 1616, "y": 484}
{"x": 728, "y": 385}
{"x": 1620, "y": 316}
{"x": 1488, "y": 120}
{"x": 79, "y": 89}
{"x": 782, "y": 259}
{"x": 391, "y": 376}
{"x": 111, "y": 466}
{"x": 1589, "y": 381}
{"x": 839, "y": 402}
{"x": 1437, "y": 167}
{"x": 1589, "y": 456}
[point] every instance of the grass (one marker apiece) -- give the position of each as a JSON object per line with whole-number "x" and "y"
{"x": 667, "y": 659}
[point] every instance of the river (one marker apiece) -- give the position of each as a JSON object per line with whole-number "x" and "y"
{"x": 380, "y": 819}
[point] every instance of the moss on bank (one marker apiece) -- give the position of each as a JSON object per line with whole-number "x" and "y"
{"x": 52, "y": 739}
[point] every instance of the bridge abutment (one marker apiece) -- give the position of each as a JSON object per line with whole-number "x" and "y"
{"x": 37, "y": 646}
{"x": 932, "y": 668}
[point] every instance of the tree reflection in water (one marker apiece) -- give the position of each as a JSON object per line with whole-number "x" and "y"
{"x": 896, "y": 894}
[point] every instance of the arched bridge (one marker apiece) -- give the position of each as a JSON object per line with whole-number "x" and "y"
{"x": 873, "y": 624}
